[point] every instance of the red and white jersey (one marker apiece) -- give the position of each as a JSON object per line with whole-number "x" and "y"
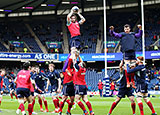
{"x": 23, "y": 79}
{"x": 80, "y": 76}
{"x": 74, "y": 29}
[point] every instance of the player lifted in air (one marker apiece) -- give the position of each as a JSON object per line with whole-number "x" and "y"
{"x": 40, "y": 79}
{"x": 74, "y": 28}
{"x": 23, "y": 88}
{"x": 55, "y": 82}
{"x": 128, "y": 39}
{"x": 81, "y": 86}
{"x": 123, "y": 91}
{"x": 142, "y": 86}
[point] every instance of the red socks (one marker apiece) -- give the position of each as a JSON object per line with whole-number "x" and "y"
{"x": 61, "y": 106}
{"x": 33, "y": 104}
{"x": 68, "y": 101}
{"x": 81, "y": 105}
{"x": 69, "y": 107}
{"x": 21, "y": 107}
{"x": 133, "y": 105}
{"x": 112, "y": 107}
{"x": 55, "y": 103}
{"x": 60, "y": 97}
{"x": 89, "y": 105}
{"x": 45, "y": 103}
{"x": 16, "y": 96}
{"x": 30, "y": 109}
{"x": 11, "y": 95}
{"x": 141, "y": 108}
{"x": 151, "y": 106}
{"x": 40, "y": 102}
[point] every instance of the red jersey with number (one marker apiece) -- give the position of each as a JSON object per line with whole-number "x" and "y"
{"x": 74, "y": 29}
{"x": 23, "y": 79}
{"x": 80, "y": 76}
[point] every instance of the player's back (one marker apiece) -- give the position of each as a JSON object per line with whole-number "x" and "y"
{"x": 123, "y": 82}
{"x": 23, "y": 79}
{"x": 80, "y": 76}
{"x": 141, "y": 74}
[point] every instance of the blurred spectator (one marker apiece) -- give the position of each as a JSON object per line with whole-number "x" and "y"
{"x": 100, "y": 87}
{"x": 25, "y": 50}
{"x": 112, "y": 87}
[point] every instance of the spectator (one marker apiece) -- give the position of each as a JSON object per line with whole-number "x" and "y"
{"x": 25, "y": 50}
{"x": 112, "y": 87}
{"x": 100, "y": 87}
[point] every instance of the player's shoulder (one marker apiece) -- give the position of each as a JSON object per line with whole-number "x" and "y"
{"x": 122, "y": 33}
{"x": 132, "y": 33}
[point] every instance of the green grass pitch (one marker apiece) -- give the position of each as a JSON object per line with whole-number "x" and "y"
{"x": 100, "y": 106}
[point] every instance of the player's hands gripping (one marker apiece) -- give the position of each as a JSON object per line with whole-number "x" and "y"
{"x": 111, "y": 28}
{"x": 58, "y": 90}
{"x": 46, "y": 89}
{"x": 75, "y": 9}
{"x": 139, "y": 26}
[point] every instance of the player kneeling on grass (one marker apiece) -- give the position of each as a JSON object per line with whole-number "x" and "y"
{"x": 40, "y": 79}
{"x": 141, "y": 90}
{"x": 23, "y": 88}
{"x": 81, "y": 86}
{"x": 123, "y": 91}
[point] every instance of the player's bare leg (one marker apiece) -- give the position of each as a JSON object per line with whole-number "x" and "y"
{"x": 114, "y": 104}
{"x": 61, "y": 105}
{"x": 148, "y": 102}
{"x": 45, "y": 104}
{"x": 80, "y": 104}
{"x": 133, "y": 104}
{"x": 30, "y": 107}
{"x": 40, "y": 102}
{"x": 70, "y": 105}
{"x": 21, "y": 106}
{"x": 130, "y": 62}
{"x": 85, "y": 99}
{"x": 56, "y": 102}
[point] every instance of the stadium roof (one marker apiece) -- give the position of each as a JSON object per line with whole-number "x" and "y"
{"x": 21, "y": 6}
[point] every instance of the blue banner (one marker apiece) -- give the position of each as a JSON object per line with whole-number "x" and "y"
{"x": 111, "y": 56}
{"x": 85, "y": 57}
{"x": 29, "y": 56}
